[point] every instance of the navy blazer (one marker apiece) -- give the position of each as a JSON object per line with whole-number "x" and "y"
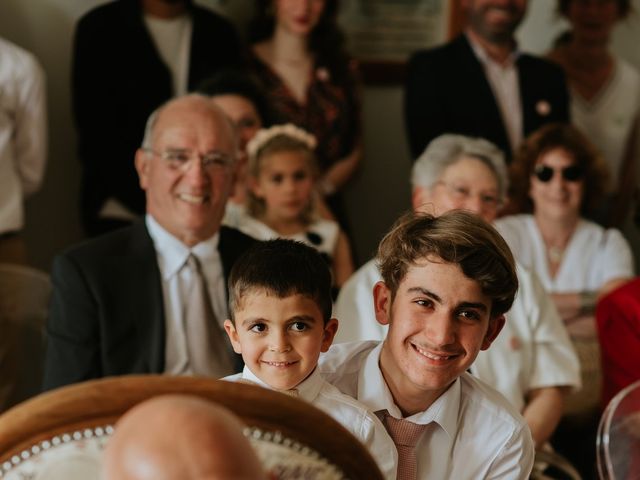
{"x": 118, "y": 79}
{"x": 107, "y": 310}
{"x": 448, "y": 92}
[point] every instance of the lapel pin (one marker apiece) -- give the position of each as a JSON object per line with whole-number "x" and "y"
{"x": 543, "y": 108}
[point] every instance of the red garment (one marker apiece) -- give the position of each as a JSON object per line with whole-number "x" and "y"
{"x": 331, "y": 111}
{"x": 618, "y": 320}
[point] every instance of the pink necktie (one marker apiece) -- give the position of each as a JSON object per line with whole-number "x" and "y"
{"x": 405, "y": 435}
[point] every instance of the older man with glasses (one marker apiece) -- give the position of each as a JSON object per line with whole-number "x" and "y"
{"x": 150, "y": 298}
{"x": 532, "y": 361}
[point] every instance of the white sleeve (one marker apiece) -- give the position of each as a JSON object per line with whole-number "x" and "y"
{"x": 30, "y": 141}
{"x": 555, "y": 362}
{"x": 615, "y": 258}
{"x": 354, "y": 308}
{"x": 515, "y": 461}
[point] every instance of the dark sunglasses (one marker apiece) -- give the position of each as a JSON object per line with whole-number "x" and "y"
{"x": 570, "y": 174}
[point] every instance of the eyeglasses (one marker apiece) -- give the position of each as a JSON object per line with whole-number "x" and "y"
{"x": 463, "y": 193}
{"x": 181, "y": 159}
{"x": 544, "y": 173}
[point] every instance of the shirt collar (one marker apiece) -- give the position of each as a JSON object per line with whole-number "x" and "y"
{"x": 484, "y": 58}
{"x": 372, "y": 389}
{"x": 375, "y": 394}
{"x": 172, "y": 253}
{"x": 308, "y": 389}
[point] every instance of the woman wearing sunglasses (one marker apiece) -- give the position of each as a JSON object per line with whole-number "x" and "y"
{"x": 559, "y": 177}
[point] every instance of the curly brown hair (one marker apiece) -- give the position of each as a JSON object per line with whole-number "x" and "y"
{"x": 559, "y": 136}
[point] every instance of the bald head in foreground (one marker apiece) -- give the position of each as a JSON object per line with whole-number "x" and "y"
{"x": 179, "y": 437}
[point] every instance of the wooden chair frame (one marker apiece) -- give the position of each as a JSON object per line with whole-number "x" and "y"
{"x": 98, "y": 403}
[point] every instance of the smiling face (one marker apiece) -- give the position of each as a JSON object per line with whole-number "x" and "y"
{"x": 280, "y": 339}
{"x": 495, "y": 20}
{"x": 468, "y": 184}
{"x": 558, "y": 198}
{"x": 285, "y": 184}
{"x": 438, "y": 322}
{"x": 298, "y": 17}
{"x": 189, "y": 203}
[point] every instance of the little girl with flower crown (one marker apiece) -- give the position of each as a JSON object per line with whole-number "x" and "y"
{"x": 282, "y": 186}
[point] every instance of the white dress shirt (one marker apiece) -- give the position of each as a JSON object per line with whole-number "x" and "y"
{"x": 172, "y": 255}
{"x": 352, "y": 414}
{"x": 23, "y": 132}
{"x": 533, "y": 350}
{"x": 505, "y": 84}
{"x": 473, "y": 431}
{"x": 172, "y": 38}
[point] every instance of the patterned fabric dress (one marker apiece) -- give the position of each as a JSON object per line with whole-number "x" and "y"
{"x": 331, "y": 112}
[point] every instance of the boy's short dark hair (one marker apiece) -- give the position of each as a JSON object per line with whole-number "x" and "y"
{"x": 281, "y": 267}
{"x": 456, "y": 237}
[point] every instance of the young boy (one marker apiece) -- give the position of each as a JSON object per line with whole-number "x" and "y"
{"x": 280, "y": 307}
{"x": 447, "y": 283}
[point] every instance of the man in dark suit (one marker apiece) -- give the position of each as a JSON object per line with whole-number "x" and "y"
{"x": 121, "y": 301}
{"x": 130, "y": 56}
{"x": 479, "y": 84}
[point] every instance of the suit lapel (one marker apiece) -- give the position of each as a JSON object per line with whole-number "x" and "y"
{"x": 145, "y": 280}
{"x": 231, "y": 245}
{"x": 528, "y": 79}
{"x": 140, "y": 40}
{"x": 480, "y": 94}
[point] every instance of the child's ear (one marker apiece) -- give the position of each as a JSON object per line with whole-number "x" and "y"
{"x": 382, "y": 302}
{"x": 254, "y": 186}
{"x": 328, "y": 335}
{"x": 230, "y": 328}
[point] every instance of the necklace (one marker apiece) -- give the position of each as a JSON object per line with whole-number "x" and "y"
{"x": 555, "y": 254}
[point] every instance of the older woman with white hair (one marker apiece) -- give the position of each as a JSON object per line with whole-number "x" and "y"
{"x": 459, "y": 172}
{"x": 531, "y": 362}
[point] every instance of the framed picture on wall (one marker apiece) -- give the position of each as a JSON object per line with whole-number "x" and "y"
{"x": 382, "y": 34}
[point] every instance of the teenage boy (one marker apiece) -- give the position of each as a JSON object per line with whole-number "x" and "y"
{"x": 447, "y": 282}
{"x": 280, "y": 308}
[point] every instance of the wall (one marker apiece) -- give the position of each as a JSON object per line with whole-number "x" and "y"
{"x": 374, "y": 198}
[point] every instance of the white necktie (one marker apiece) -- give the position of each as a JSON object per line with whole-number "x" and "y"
{"x": 207, "y": 346}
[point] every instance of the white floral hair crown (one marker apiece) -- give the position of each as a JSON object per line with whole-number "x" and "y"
{"x": 290, "y": 130}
